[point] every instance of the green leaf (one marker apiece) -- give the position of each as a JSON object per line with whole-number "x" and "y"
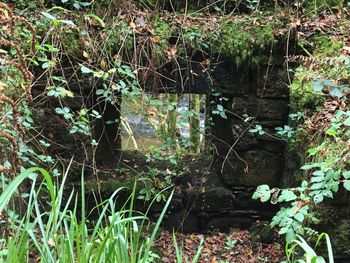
{"x": 263, "y": 193}
{"x": 68, "y": 22}
{"x": 290, "y": 235}
{"x": 336, "y": 93}
{"x": 299, "y": 216}
{"x": 49, "y": 16}
{"x": 318, "y": 173}
{"x": 331, "y": 132}
{"x": 97, "y": 18}
{"x": 318, "y": 198}
{"x": 287, "y": 196}
{"x": 317, "y": 186}
{"x": 317, "y": 86}
{"x": 347, "y": 122}
{"x": 85, "y": 70}
{"x": 100, "y": 91}
{"x": 13, "y": 186}
{"x": 283, "y": 230}
{"x": 286, "y": 222}
{"x": 347, "y": 185}
{"x": 170, "y": 107}
{"x": 346, "y": 174}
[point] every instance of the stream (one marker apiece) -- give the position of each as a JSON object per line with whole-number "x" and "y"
{"x": 145, "y": 133}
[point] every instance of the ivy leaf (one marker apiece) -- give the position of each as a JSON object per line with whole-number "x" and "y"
{"x": 263, "y": 193}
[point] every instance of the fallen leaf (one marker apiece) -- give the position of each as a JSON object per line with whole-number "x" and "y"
{"x": 155, "y": 39}
{"x": 132, "y": 25}
{"x": 85, "y": 54}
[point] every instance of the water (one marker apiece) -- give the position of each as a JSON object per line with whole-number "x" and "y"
{"x": 145, "y": 133}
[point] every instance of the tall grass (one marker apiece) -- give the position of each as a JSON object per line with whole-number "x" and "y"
{"x": 54, "y": 233}
{"x": 310, "y": 256}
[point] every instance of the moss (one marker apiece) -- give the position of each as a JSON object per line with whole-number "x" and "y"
{"x": 302, "y": 94}
{"x": 198, "y": 37}
{"x": 109, "y": 186}
{"x": 243, "y": 43}
{"x": 319, "y": 6}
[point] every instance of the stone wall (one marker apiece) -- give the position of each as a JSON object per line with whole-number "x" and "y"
{"x": 224, "y": 200}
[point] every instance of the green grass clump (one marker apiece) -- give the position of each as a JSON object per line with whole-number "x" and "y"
{"x": 55, "y": 232}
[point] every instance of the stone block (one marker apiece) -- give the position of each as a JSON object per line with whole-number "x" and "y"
{"x": 182, "y": 221}
{"x": 253, "y": 168}
{"x": 230, "y": 82}
{"x": 214, "y": 199}
{"x": 274, "y": 84}
{"x": 264, "y": 109}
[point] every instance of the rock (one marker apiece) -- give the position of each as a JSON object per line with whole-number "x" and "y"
{"x": 230, "y": 82}
{"x": 210, "y": 199}
{"x": 253, "y": 168}
{"x": 182, "y": 221}
{"x": 274, "y": 85}
{"x": 225, "y": 223}
{"x": 245, "y": 142}
{"x": 264, "y": 109}
{"x": 275, "y": 147}
{"x": 176, "y": 204}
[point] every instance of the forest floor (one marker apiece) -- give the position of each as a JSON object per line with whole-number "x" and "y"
{"x": 236, "y": 246}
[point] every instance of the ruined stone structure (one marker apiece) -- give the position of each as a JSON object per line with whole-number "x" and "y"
{"x": 243, "y": 160}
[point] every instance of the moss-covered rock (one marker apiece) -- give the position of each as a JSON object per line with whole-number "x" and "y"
{"x": 302, "y": 94}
